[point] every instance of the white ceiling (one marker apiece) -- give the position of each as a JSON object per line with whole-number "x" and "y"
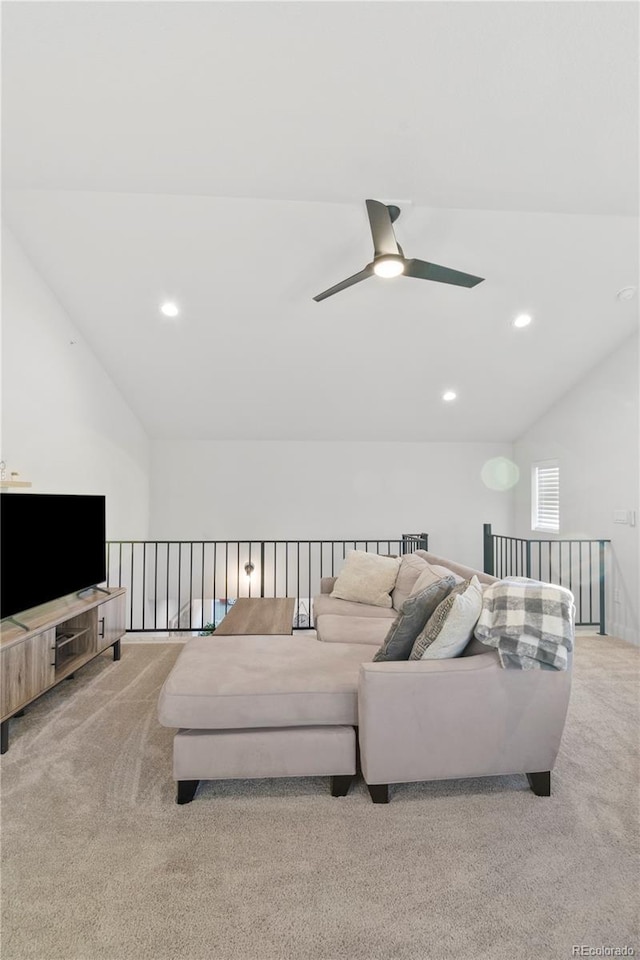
{"x": 219, "y": 154}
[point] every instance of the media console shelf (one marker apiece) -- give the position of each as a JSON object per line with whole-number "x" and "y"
{"x": 62, "y": 636}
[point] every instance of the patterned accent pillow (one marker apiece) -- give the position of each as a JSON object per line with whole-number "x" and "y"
{"x": 451, "y": 626}
{"x": 367, "y": 578}
{"x": 410, "y": 621}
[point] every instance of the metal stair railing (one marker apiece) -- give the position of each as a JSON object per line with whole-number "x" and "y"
{"x": 578, "y": 564}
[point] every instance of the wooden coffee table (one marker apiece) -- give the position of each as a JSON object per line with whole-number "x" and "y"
{"x": 258, "y": 615}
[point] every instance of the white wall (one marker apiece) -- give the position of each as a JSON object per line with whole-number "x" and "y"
{"x": 594, "y": 433}
{"x": 65, "y": 426}
{"x": 327, "y": 490}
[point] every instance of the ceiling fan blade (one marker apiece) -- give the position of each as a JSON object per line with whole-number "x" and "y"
{"x": 356, "y": 278}
{"x": 384, "y": 239}
{"x": 431, "y": 271}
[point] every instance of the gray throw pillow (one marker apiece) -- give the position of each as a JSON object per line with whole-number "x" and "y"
{"x": 411, "y": 620}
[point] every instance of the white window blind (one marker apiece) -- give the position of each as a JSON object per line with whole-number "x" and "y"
{"x": 545, "y": 496}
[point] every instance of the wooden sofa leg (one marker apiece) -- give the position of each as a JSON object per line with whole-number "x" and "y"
{"x": 186, "y": 790}
{"x": 540, "y": 783}
{"x": 379, "y": 792}
{"x": 340, "y": 785}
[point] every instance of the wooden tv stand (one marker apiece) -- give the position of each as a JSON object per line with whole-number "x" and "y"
{"x": 62, "y": 636}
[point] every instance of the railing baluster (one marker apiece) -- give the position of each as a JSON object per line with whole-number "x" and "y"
{"x": 131, "y": 597}
{"x": 202, "y": 597}
{"x": 286, "y": 570}
{"x": 309, "y": 589}
{"x": 226, "y": 576}
{"x": 190, "y": 583}
{"x": 180, "y": 585}
{"x": 580, "y": 569}
{"x": 166, "y": 597}
{"x": 601, "y": 574}
{"x": 590, "y": 585}
{"x": 215, "y": 574}
{"x": 560, "y": 562}
{"x": 155, "y": 590}
{"x": 298, "y": 585}
{"x": 571, "y": 565}
{"x": 144, "y": 580}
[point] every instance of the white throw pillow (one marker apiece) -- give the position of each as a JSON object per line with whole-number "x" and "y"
{"x": 367, "y": 578}
{"x": 451, "y": 626}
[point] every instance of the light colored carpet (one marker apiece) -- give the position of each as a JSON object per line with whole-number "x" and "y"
{"x": 101, "y": 864}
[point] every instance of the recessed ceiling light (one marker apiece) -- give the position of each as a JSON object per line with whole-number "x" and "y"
{"x": 169, "y": 309}
{"x": 627, "y": 293}
{"x": 522, "y": 320}
{"x": 449, "y": 395}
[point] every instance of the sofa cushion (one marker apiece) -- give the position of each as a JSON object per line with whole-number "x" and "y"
{"x": 367, "y": 578}
{"x": 465, "y": 572}
{"x": 451, "y": 626}
{"x": 327, "y": 584}
{"x": 411, "y": 566}
{"x": 238, "y": 682}
{"x": 410, "y": 621}
{"x": 366, "y": 630}
{"x": 428, "y": 576}
{"x": 323, "y": 604}
{"x": 447, "y": 572}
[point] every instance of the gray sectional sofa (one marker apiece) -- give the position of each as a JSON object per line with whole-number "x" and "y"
{"x": 286, "y": 706}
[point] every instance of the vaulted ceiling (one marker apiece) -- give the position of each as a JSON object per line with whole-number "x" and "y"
{"x": 219, "y": 155}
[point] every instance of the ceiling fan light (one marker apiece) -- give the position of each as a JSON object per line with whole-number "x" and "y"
{"x": 388, "y": 267}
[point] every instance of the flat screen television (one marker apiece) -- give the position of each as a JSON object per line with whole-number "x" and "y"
{"x": 51, "y": 545}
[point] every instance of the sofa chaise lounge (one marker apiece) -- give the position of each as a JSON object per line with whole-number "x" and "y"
{"x": 289, "y": 706}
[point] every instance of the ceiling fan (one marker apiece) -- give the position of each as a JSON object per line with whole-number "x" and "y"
{"x": 389, "y": 259}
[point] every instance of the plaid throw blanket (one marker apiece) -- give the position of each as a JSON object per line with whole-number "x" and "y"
{"x": 531, "y": 624}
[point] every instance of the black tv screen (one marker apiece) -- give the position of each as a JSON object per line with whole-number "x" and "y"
{"x": 51, "y": 545}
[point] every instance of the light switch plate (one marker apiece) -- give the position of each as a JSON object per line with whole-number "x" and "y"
{"x": 620, "y": 516}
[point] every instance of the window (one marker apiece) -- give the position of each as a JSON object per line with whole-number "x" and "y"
{"x": 545, "y": 496}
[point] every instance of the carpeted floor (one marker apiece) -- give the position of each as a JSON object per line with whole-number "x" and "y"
{"x": 99, "y": 863}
